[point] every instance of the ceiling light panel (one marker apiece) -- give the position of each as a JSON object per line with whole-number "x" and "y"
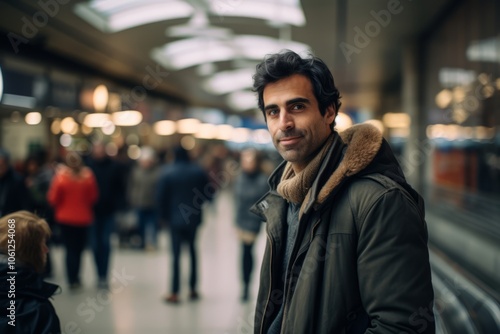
{"x": 193, "y": 51}
{"x": 229, "y": 81}
{"x": 242, "y": 100}
{"x": 113, "y": 15}
{"x": 196, "y": 51}
{"x": 117, "y": 15}
{"x": 277, "y": 12}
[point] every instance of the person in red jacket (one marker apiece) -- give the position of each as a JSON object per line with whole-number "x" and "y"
{"x": 72, "y": 194}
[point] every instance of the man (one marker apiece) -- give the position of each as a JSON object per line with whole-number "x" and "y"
{"x": 110, "y": 186}
{"x": 347, "y": 240}
{"x": 141, "y": 193}
{"x": 183, "y": 188}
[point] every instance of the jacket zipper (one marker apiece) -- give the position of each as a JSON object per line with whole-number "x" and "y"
{"x": 293, "y": 264}
{"x": 270, "y": 282}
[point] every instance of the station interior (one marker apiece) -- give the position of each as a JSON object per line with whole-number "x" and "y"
{"x": 138, "y": 75}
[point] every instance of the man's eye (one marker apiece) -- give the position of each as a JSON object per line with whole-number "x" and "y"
{"x": 272, "y": 112}
{"x": 298, "y": 107}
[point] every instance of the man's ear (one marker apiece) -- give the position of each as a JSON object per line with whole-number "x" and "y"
{"x": 330, "y": 114}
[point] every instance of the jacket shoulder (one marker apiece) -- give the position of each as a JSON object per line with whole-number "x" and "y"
{"x": 375, "y": 185}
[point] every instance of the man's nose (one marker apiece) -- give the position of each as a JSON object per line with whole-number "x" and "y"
{"x": 286, "y": 121}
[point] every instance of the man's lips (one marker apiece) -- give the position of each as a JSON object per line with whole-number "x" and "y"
{"x": 286, "y": 141}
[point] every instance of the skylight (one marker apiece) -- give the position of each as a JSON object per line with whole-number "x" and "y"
{"x": 117, "y": 15}
{"x": 195, "y": 51}
{"x": 113, "y": 15}
{"x": 229, "y": 81}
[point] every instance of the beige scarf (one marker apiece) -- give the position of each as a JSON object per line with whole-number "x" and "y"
{"x": 294, "y": 187}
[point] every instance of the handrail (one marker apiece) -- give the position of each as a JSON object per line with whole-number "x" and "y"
{"x": 482, "y": 311}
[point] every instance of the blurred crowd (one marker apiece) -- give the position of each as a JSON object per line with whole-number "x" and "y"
{"x": 88, "y": 198}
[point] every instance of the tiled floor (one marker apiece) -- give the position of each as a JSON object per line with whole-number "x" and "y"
{"x": 139, "y": 280}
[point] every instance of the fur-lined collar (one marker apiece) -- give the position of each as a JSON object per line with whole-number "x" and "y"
{"x": 351, "y": 152}
{"x": 363, "y": 142}
{"x": 359, "y": 146}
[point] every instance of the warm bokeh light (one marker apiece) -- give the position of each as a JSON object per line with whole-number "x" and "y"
{"x": 86, "y": 130}
{"x": 33, "y": 118}
{"x": 444, "y": 98}
{"x": 241, "y": 135}
{"x": 69, "y": 126}
{"x": 108, "y": 128}
{"x": 343, "y": 122}
{"x": 457, "y": 132}
{"x": 55, "y": 127}
{"x": 224, "y": 132}
{"x": 96, "y": 120}
{"x": 164, "y": 128}
{"x": 261, "y": 136}
{"x": 206, "y": 131}
{"x": 396, "y": 120}
{"x": 126, "y": 118}
{"x": 188, "y": 125}
{"x": 100, "y": 98}
{"x": 459, "y": 115}
{"x": 400, "y": 132}
{"x": 134, "y": 152}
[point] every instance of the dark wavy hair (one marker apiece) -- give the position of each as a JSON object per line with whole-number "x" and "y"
{"x": 281, "y": 65}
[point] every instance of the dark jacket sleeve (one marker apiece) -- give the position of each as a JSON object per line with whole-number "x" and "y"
{"x": 393, "y": 266}
{"x": 33, "y": 316}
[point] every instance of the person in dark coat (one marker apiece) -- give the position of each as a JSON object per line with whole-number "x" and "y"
{"x": 249, "y": 186}
{"x": 347, "y": 240}
{"x": 38, "y": 176}
{"x": 14, "y": 195}
{"x": 110, "y": 187}
{"x": 183, "y": 188}
{"x": 24, "y": 295}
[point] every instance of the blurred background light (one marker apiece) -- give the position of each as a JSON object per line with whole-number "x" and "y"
{"x": 33, "y": 118}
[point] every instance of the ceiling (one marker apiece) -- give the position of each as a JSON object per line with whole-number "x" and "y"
{"x": 363, "y": 73}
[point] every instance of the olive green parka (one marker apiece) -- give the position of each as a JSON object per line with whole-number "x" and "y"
{"x": 360, "y": 263}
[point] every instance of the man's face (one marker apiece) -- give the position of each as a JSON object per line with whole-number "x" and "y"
{"x": 294, "y": 120}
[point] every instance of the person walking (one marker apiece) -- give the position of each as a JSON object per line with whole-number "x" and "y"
{"x": 183, "y": 188}
{"x": 73, "y": 193}
{"x": 108, "y": 180}
{"x": 347, "y": 241}
{"x": 142, "y": 192}
{"x": 249, "y": 186}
